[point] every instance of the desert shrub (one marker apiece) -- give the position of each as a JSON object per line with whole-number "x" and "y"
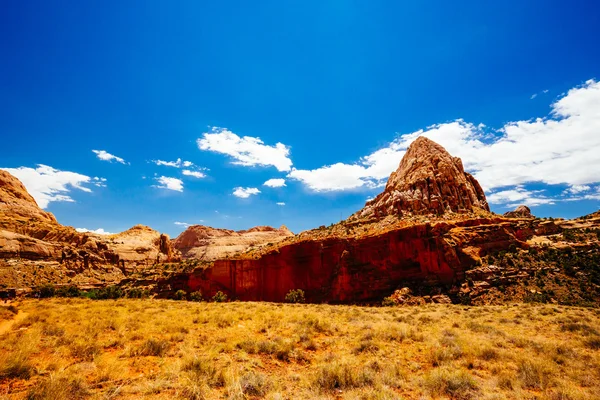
{"x": 45, "y": 291}
{"x": 534, "y": 375}
{"x": 85, "y": 350}
{"x": 536, "y": 297}
{"x": 219, "y": 297}
{"x": 254, "y": 384}
{"x": 180, "y": 295}
{"x": 593, "y": 343}
{"x": 332, "y": 376}
{"x": 68, "y": 291}
{"x": 204, "y": 369}
{"x": 457, "y": 384}
{"x": 196, "y": 296}
{"x": 15, "y": 365}
{"x": 137, "y": 293}
{"x": 388, "y": 302}
{"x": 295, "y": 296}
{"x": 152, "y": 347}
{"x": 59, "y": 387}
{"x": 105, "y": 293}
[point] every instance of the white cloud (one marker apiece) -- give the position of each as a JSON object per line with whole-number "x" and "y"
{"x": 165, "y": 182}
{"x": 186, "y": 224}
{"x": 275, "y": 183}
{"x": 100, "y": 182}
{"x": 563, "y": 148}
{"x": 281, "y": 203}
{"x": 518, "y": 196}
{"x": 176, "y": 164}
{"x": 104, "y": 156}
{"x": 98, "y": 231}
{"x": 533, "y": 96}
{"x": 47, "y": 184}
{"x": 576, "y": 189}
{"x": 247, "y": 150}
{"x": 244, "y": 193}
{"x": 195, "y": 174}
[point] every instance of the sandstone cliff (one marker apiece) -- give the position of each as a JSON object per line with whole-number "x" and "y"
{"x": 209, "y": 244}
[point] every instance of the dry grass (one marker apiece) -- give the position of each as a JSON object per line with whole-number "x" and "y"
{"x": 128, "y": 348}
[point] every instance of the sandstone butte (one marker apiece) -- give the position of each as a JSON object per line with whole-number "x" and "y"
{"x": 429, "y": 228}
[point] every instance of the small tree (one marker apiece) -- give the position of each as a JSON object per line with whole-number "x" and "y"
{"x": 196, "y": 296}
{"x": 180, "y": 295}
{"x": 295, "y": 296}
{"x": 219, "y": 297}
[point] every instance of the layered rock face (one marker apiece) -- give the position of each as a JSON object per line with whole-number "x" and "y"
{"x": 209, "y": 244}
{"x": 428, "y": 181}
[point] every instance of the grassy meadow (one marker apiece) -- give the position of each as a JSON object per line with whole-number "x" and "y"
{"x": 64, "y": 348}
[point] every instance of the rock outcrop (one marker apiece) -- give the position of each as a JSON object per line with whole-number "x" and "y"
{"x": 519, "y": 212}
{"x": 29, "y": 233}
{"x": 428, "y": 181}
{"x": 209, "y": 244}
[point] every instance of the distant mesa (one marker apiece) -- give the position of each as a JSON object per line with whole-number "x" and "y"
{"x": 428, "y": 181}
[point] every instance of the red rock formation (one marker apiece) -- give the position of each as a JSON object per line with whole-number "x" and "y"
{"x": 209, "y": 244}
{"x": 428, "y": 181}
{"x": 365, "y": 269}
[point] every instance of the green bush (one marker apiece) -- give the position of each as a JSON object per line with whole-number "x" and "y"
{"x": 180, "y": 295}
{"x": 219, "y": 297}
{"x": 137, "y": 293}
{"x": 196, "y": 296}
{"x": 388, "y": 302}
{"x": 45, "y": 291}
{"x": 69, "y": 291}
{"x": 109, "y": 292}
{"x": 295, "y": 296}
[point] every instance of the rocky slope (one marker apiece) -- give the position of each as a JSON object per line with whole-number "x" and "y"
{"x": 209, "y": 244}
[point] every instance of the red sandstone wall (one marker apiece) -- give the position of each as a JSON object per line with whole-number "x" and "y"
{"x": 354, "y": 270}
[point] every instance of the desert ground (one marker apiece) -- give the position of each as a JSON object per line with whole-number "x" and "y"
{"x": 161, "y": 349}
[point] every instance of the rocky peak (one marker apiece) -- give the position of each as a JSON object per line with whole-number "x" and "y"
{"x": 17, "y": 203}
{"x": 428, "y": 181}
{"x": 519, "y": 212}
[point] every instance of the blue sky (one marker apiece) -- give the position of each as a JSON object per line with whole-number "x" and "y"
{"x": 341, "y": 86}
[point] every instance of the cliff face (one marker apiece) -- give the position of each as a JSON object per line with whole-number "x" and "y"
{"x": 428, "y": 181}
{"x": 209, "y": 244}
{"x": 365, "y": 269}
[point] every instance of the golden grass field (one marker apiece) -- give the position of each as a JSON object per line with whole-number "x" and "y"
{"x": 164, "y": 349}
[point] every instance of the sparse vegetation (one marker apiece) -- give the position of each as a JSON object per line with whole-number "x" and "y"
{"x": 295, "y": 296}
{"x": 219, "y": 297}
{"x": 147, "y": 348}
